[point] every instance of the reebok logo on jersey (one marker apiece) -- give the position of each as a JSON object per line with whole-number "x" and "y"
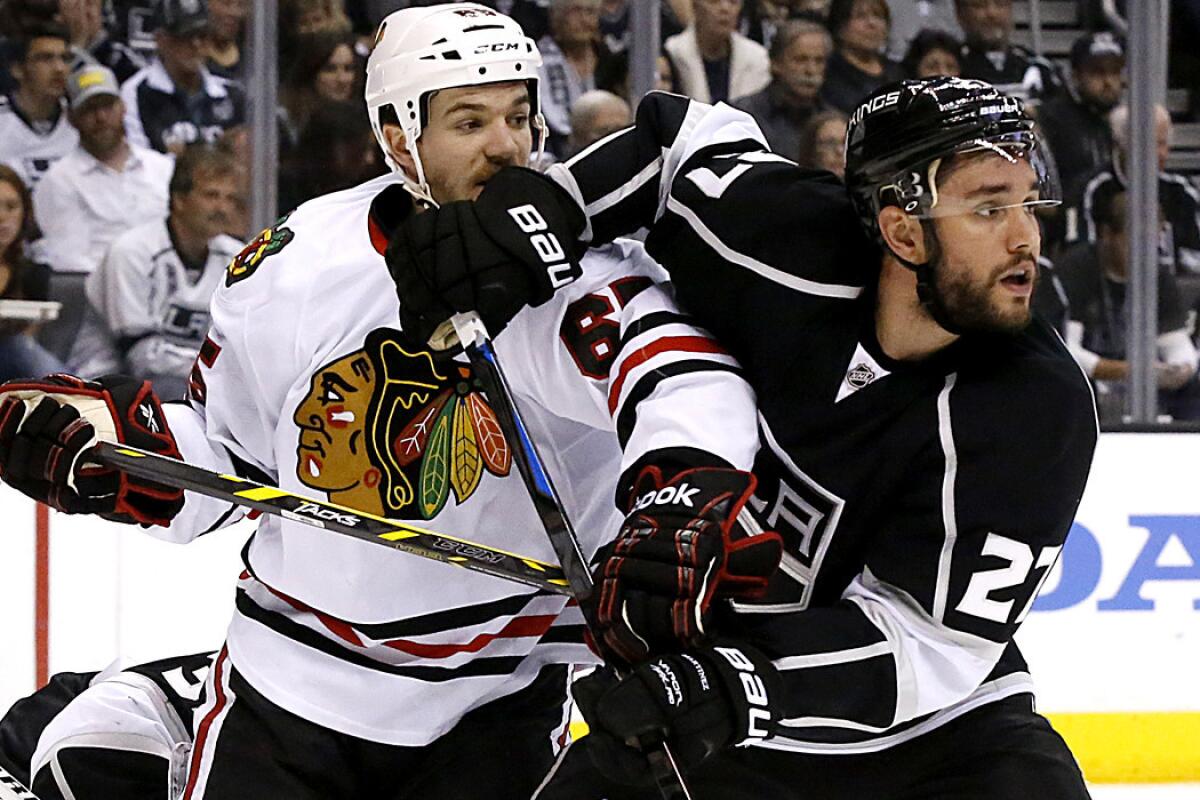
{"x": 668, "y": 495}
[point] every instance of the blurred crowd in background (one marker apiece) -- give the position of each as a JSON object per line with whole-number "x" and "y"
{"x": 125, "y": 152}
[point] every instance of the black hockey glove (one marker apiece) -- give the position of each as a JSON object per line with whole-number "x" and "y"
{"x": 698, "y": 701}
{"x": 47, "y": 426}
{"x": 678, "y": 550}
{"x": 512, "y": 247}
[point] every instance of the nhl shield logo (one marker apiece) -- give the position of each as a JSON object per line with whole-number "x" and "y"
{"x": 860, "y": 375}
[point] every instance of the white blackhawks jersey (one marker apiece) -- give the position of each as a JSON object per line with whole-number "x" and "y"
{"x": 155, "y": 307}
{"x": 31, "y": 147}
{"x": 305, "y": 380}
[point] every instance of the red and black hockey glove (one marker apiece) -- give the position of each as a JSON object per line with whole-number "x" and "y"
{"x": 698, "y": 701}
{"x": 512, "y": 247}
{"x": 47, "y": 427}
{"x": 678, "y": 550}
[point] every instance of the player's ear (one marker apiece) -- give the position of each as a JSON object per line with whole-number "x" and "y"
{"x": 903, "y": 234}
{"x": 397, "y": 145}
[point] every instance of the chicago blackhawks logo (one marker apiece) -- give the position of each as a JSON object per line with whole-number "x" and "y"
{"x": 387, "y": 430}
{"x": 267, "y": 243}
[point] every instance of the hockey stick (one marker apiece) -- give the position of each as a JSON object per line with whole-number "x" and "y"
{"x": 473, "y": 336}
{"x": 391, "y": 533}
{"x": 13, "y": 789}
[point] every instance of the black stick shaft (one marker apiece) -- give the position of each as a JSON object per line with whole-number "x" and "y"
{"x": 474, "y": 338}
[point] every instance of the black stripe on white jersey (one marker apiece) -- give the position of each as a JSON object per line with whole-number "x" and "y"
{"x": 499, "y": 665}
{"x": 654, "y": 320}
{"x": 440, "y": 621}
{"x": 645, "y": 386}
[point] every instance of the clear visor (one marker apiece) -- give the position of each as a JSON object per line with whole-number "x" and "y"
{"x": 1008, "y": 174}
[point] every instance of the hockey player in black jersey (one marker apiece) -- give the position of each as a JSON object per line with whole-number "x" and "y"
{"x": 925, "y": 444}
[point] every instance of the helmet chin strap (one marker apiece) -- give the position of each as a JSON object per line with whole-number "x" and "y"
{"x": 927, "y": 293}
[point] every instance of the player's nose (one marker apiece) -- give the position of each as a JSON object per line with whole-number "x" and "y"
{"x": 1023, "y": 231}
{"x": 502, "y": 143}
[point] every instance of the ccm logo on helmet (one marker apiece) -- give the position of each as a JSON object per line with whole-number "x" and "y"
{"x": 497, "y": 47}
{"x": 756, "y": 693}
{"x": 547, "y": 246}
{"x": 681, "y": 494}
{"x": 870, "y": 107}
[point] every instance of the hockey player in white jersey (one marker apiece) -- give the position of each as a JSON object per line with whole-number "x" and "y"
{"x": 353, "y": 672}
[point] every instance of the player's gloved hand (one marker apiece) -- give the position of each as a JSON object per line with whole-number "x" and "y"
{"x": 512, "y": 247}
{"x": 679, "y": 549}
{"x": 47, "y": 426}
{"x": 698, "y": 702}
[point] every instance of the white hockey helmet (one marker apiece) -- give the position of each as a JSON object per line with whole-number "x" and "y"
{"x": 422, "y": 50}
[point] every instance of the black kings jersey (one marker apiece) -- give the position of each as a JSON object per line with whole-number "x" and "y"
{"x": 922, "y": 504}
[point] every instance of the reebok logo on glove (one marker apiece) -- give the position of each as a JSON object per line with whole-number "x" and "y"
{"x": 668, "y": 495}
{"x": 756, "y": 693}
{"x": 546, "y": 245}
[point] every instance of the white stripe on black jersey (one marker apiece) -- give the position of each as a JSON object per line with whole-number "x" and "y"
{"x": 306, "y": 380}
{"x": 908, "y": 495}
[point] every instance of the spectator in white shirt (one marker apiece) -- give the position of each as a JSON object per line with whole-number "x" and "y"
{"x": 33, "y": 124}
{"x": 154, "y": 286}
{"x": 103, "y": 187}
{"x": 712, "y": 61}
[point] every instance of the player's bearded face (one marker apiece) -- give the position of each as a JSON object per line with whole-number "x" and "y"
{"x": 985, "y": 260}
{"x": 473, "y": 133}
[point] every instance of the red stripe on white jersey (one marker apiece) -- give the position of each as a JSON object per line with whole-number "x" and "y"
{"x": 219, "y": 701}
{"x": 517, "y": 627}
{"x": 680, "y": 344}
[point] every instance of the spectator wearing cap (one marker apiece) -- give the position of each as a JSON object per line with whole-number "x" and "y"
{"x": 858, "y": 65}
{"x": 1075, "y": 124}
{"x": 153, "y": 288}
{"x": 1178, "y": 198}
{"x": 175, "y": 100}
{"x": 711, "y": 60}
{"x": 90, "y": 41}
{"x": 34, "y": 132}
{"x": 101, "y": 188}
{"x": 798, "y": 53}
{"x": 989, "y": 54}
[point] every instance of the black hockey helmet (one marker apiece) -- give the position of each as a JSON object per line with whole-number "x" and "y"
{"x": 902, "y": 131}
